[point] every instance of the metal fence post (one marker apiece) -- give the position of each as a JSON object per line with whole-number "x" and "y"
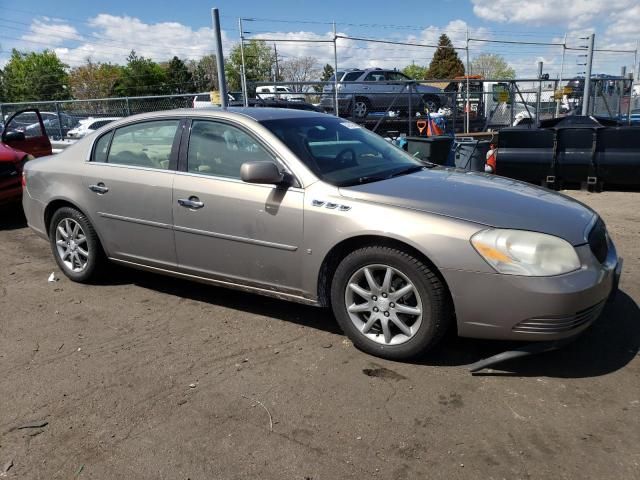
{"x": 127, "y": 106}
{"x": 2, "y": 112}
{"x": 59, "y": 120}
{"x": 411, "y": 86}
{"x": 512, "y": 115}
{"x": 587, "y": 77}
{"x": 539, "y": 96}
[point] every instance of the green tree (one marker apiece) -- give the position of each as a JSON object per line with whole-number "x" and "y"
{"x": 179, "y": 78}
{"x": 204, "y": 73}
{"x": 259, "y": 61}
{"x": 94, "y": 80}
{"x": 327, "y": 73}
{"x": 445, "y": 62}
{"x": 142, "y": 76}
{"x": 416, "y": 72}
{"x": 35, "y": 76}
{"x": 490, "y": 65}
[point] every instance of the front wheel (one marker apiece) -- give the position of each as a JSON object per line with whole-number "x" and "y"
{"x": 75, "y": 244}
{"x": 360, "y": 108}
{"x": 389, "y": 303}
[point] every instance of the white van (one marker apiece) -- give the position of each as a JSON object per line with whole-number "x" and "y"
{"x": 281, "y": 92}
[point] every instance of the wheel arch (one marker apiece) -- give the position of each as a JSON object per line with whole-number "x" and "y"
{"x": 58, "y": 203}
{"x": 339, "y": 251}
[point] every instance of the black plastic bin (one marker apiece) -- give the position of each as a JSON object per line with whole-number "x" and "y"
{"x": 618, "y": 156}
{"x": 431, "y": 149}
{"x": 471, "y": 154}
{"x": 526, "y": 154}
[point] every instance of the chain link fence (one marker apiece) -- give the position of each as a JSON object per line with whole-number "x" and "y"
{"x": 389, "y": 108}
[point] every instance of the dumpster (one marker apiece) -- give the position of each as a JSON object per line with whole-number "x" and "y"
{"x": 430, "y": 149}
{"x": 471, "y": 154}
{"x": 526, "y": 154}
{"x": 617, "y": 156}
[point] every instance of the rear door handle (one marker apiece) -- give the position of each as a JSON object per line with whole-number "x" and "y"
{"x": 191, "y": 202}
{"x": 99, "y": 188}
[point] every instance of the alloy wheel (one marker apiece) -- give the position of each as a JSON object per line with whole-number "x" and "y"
{"x": 383, "y": 304}
{"x": 71, "y": 245}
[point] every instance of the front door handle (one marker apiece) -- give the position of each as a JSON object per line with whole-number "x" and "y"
{"x": 99, "y": 188}
{"x": 191, "y": 202}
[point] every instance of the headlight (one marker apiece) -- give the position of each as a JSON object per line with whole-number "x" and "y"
{"x": 518, "y": 252}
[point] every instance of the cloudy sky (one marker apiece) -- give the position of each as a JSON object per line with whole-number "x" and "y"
{"x": 107, "y": 31}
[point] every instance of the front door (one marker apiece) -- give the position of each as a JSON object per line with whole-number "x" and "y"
{"x": 25, "y": 131}
{"x": 230, "y": 230}
{"x": 128, "y": 184}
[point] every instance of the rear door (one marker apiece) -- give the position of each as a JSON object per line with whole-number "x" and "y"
{"x": 128, "y": 186}
{"x": 33, "y": 139}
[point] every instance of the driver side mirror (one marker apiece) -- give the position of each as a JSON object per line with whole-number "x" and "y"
{"x": 13, "y": 136}
{"x": 262, "y": 172}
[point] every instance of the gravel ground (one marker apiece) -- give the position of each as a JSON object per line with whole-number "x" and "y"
{"x": 148, "y": 377}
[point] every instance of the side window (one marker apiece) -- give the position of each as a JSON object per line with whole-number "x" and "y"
{"x": 397, "y": 77}
{"x": 145, "y": 144}
{"x": 219, "y": 149}
{"x": 374, "y": 77}
{"x": 27, "y": 123}
{"x": 101, "y": 148}
{"x": 351, "y": 76}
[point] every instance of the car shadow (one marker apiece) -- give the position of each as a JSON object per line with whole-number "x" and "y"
{"x": 608, "y": 345}
{"x": 12, "y": 217}
{"x": 308, "y": 316}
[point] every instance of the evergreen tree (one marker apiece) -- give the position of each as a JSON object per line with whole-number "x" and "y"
{"x": 445, "y": 62}
{"x": 327, "y": 73}
{"x": 179, "y": 78}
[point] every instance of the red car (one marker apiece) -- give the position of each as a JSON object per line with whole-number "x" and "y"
{"x": 16, "y": 148}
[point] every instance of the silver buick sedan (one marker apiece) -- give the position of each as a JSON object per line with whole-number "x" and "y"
{"x": 311, "y": 208}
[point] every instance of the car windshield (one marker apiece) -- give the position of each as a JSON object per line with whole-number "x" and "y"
{"x": 340, "y": 152}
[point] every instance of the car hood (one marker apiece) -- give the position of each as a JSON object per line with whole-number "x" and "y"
{"x": 481, "y": 198}
{"x": 8, "y": 154}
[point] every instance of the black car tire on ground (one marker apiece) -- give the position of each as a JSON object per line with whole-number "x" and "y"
{"x": 435, "y": 302}
{"x": 91, "y": 244}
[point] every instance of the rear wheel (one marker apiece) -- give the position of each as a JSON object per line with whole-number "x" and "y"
{"x": 360, "y": 107}
{"x": 75, "y": 244}
{"x": 389, "y": 303}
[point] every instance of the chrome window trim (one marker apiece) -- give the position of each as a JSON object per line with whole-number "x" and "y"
{"x": 132, "y": 167}
{"x": 236, "y": 180}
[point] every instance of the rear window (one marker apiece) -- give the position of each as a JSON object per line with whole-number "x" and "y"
{"x": 351, "y": 76}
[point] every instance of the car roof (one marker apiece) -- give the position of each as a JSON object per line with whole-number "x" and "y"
{"x": 256, "y": 113}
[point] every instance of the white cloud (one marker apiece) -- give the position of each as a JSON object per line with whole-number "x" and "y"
{"x": 50, "y": 32}
{"x": 113, "y": 37}
{"x": 574, "y": 13}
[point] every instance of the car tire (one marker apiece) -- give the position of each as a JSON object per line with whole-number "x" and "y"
{"x": 361, "y": 308}
{"x": 75, "y": 245}
{"x": 360, "y": 108}
{"x": 431, "y": 103}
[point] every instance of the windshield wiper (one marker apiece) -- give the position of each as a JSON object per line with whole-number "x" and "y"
{"x": 386, "y": 176}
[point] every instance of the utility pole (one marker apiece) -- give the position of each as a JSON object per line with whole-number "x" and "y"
{"x": 466, "y": 103}
{"x": 539, "y": 97}
{"x": 335, "y": 71}
{"x": 243, "y": 74}
{"x": 587, "y": 77}
{"x": 277, "y": 73}
{"x": 559, "y": 100}
{"x": 623, "y": 83}
{"x": 222, "y": 81}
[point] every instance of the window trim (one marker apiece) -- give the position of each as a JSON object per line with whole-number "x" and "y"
{"x": 185, "y": 141}
{"x": 173, "y": 155}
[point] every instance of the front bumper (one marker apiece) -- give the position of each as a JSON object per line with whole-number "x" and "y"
{"x": 510, "y": 307}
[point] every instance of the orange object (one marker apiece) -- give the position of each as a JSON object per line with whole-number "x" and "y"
{"x": 492, "y": 154}
{"x": 422, "y": 126}
{"x": 433, "y": 129}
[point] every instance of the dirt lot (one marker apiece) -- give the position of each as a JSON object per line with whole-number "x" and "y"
{"x": 146, "y": 377}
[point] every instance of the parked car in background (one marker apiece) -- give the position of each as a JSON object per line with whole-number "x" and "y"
{"x": 362, "y": 91}
{"x": 89, "y": 125}
{"x": 56, "y": 127}
{"x": 203, "y": 100}
{"x": 311, "y": 208}
{"x": 16, "y": 148}
{"x": 280, "y": 92}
